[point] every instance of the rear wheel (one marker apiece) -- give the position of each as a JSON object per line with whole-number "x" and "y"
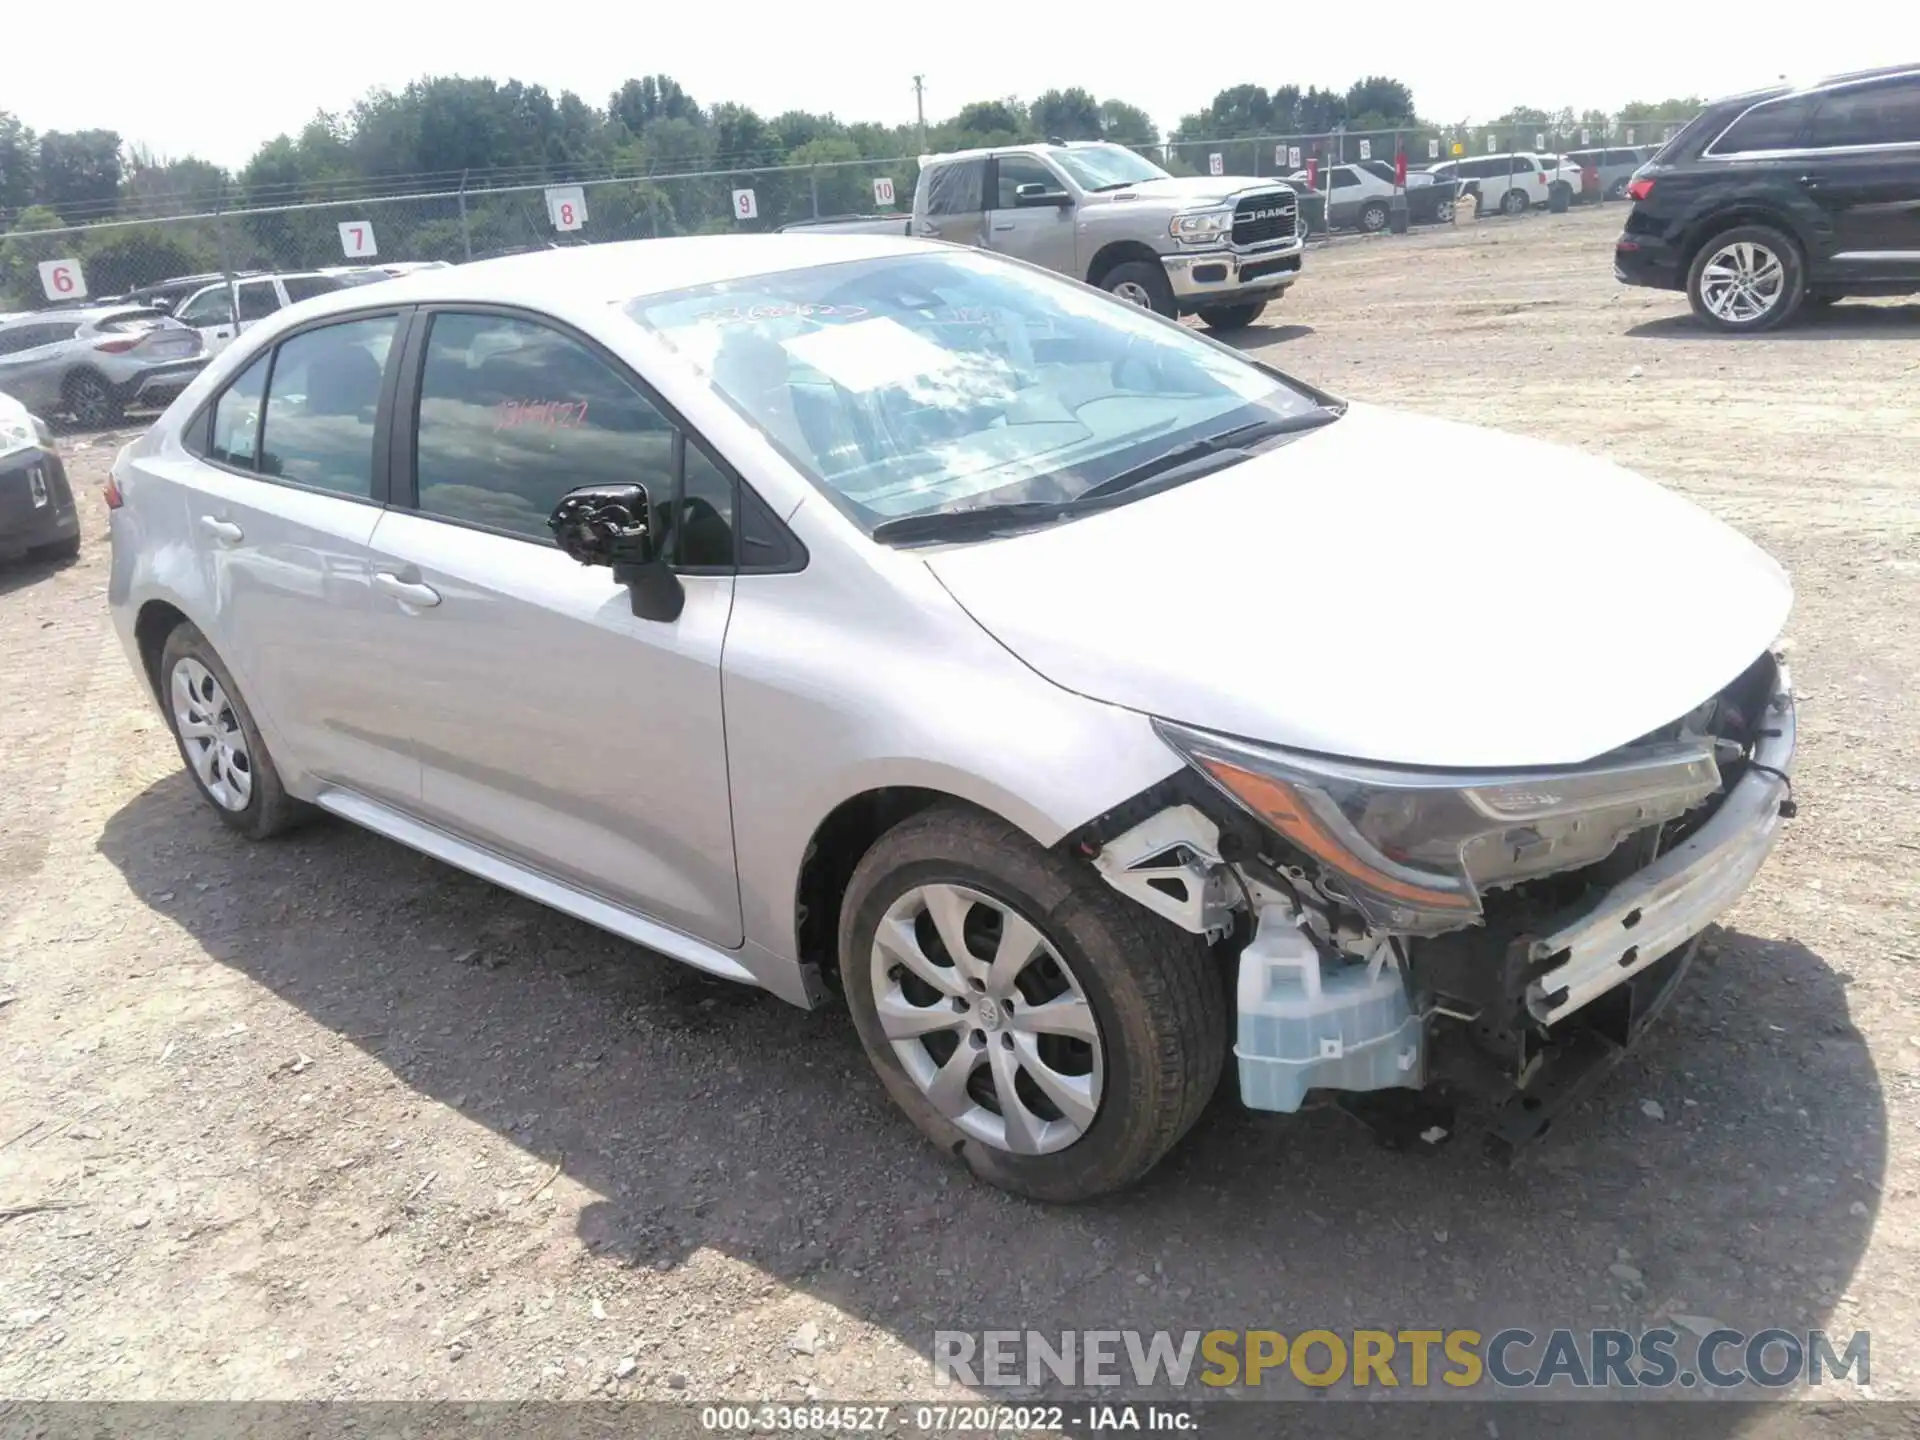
{"x": 1443, "y": 213}
{"x": 1232, "y": 317}
{"x": 1618, "y": 189}
{"x": 1373, "y": 216}
{"x": 1747, "y": 279}
{"x": 1142, "y": 283}
{"x": 219, "y": 740}
{"x": 1057, "y": 1036}
{"x": 90, "y": 400}
{"x": 1514, "y": 202}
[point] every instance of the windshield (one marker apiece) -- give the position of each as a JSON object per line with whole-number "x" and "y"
{"x": 1105, "y": 167}
{"x": 914, "y": 383}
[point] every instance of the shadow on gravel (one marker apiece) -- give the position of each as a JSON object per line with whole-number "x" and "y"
{"x": 1847, "y": 320}
{"x": 30, "y": 569}
{"x": 1258, "y": 337}
{"x": 1731, "y": 1169}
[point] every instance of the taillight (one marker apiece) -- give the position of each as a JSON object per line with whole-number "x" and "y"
{"x": 1639, "y": 189}
{"x": 112, "y": 491}
{"x": 117, "y": 347}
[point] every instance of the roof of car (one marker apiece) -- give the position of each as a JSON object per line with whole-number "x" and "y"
{"x": 621, "y": 270}
{"x": 1027, "y": 147}
{"x": 79, "y": 314}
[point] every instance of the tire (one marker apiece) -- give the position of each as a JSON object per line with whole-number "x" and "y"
{"x": 1373, "y": 216}
{"x": 1152, "y": 992}
{"x": 1747, "y": 279}
{"x": 1232, "y": 317}
{"x": 1514, "y": 202}
{"x": 1142, "y": 283}
{"x": 1443, "y": 213}
{"x": 90, "y": 400}
{"x": 195, "y": 686}
{"x": 60, "y": 550}
{"x": 1618, "y": 189}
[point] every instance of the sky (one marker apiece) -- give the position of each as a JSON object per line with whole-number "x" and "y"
{"x": 267, "y": 70}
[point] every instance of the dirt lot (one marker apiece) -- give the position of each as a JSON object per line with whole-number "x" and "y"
{"x": 324, "y": 1119}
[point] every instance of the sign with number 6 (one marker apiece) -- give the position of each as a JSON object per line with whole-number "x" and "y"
{"x": 62, "y": 280}
{"x": 745, "y": 206}
{"x": 356, "y": 239}
{"x": 883, "y": 190}
{"x": 566, "y": 206}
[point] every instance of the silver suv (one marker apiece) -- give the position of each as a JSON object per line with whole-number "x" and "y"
{"x": 1084, "y": 706}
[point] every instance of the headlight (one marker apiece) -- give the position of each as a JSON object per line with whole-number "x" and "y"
{"x": 1414, "y": 850}
{"x": 19, "y": 430}
{"x": 1201, "y": 225}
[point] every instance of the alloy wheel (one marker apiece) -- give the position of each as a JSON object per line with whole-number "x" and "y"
{"x": 987, "y": 1018}
{"x": 212, "y": 735}
{"x": 1133, "y": 293}
{"x": 1742, "y": 282}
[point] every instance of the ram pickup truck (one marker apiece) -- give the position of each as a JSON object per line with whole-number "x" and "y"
{"x": 1220, "y": 247}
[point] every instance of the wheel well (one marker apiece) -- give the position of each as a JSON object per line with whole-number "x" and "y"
{"x": 1725, "y": 220}
{"x": 838, "y": 844}
{"x": 156, "y": 621}
{"x": 1119, "y": 253}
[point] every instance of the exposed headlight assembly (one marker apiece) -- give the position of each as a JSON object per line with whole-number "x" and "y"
{"x": 20, "y": 430}
{"x": 1413, "y": 850}
{"x": 1201, "y": 225}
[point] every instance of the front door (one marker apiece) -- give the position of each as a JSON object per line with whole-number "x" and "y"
{"x": 552, "y": 725}
{"x": 1863, "y": 170}
{"x": 1041, "y": 234}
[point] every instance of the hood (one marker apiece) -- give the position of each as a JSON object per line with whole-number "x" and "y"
{"x": 1187, "y": 192}
{"x": 1391, "y": 588}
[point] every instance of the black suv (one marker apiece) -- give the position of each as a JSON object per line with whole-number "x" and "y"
{"x": 1782, "y": 197}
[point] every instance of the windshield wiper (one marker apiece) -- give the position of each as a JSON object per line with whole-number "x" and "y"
{"x": 1175, "y": 464}
{"x": 1183, "y": 462}
{"x": 1111, "y": 185}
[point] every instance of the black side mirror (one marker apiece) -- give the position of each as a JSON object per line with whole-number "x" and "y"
{"x": 1036, "y": 195}
{"x": 613, "y": 525}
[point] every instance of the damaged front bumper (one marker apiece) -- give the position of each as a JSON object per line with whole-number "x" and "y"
{"x": 1653, "y": 912}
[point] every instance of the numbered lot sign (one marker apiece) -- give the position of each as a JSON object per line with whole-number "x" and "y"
{"x": 1433, "y": 149}
{"x": 567, "y": 207}
{"x": 62, "y": 280}
{"x": 1293, "y": 157}
{"x": 1539, "y": 141}
{"x": 745, "y": 206}
{"x": 1586, "y": 137}
{"x": 882, "y": 190}
{"x": 356, "y": 239}
{"x": 1216, "y": 164}
{"x": 1491, "y": 142}
{"x": 1366, "y": 149}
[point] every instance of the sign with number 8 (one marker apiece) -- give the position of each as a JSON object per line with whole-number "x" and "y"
{"x": 567, "y": 206}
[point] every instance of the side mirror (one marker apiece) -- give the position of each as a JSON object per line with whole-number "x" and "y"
{"x": 613, "y": 525}
{"x": 1034, "y": 195}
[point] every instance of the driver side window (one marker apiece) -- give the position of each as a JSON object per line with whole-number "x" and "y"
{"x": 1015, "y": 171}
{"x": 212, "y": 306}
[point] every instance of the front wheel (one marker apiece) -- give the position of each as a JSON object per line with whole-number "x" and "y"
{"x": 1514, "y": 202}
{"x": 1443, "y": 213}
{"x": 1057, "y": 1036}
{"x": 1373, "y": 216}
{"x": 91, "y": 401}
{"x": 1232, "y": 317}
{"x": 1747, "y": 279}
{"x": 1142, "y": 283}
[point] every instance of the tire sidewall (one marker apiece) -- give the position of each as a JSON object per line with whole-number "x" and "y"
{"x": 86, "y": 382}
{"x": 1781, "y": 244}
{"x": 1108, "y": 1145}
{"x": 1373, "y": 217}
{"x": 1150, "y": 277}
{"x": 257, "y": 817}
{"x": 1515, "y": 202}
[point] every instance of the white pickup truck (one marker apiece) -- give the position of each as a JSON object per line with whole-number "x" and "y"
{"x": 1220, "y": 247}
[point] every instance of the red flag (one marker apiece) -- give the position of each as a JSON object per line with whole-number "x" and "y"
{"x": 1400, "y": 167}
{"x": 1313, "y": 172}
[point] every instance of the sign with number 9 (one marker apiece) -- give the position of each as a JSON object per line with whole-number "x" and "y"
{"x": 745, "y": 205}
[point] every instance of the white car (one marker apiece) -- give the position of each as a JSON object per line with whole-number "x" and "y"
{"x": 1510, "y": 183}
{"x": 210, "y": 309}
{"x": 1086, "y": 708}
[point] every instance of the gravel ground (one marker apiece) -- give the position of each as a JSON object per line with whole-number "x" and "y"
{"x": 325, "y": 1119}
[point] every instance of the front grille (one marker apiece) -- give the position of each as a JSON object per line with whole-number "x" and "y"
{"x": 1261, "y": 219}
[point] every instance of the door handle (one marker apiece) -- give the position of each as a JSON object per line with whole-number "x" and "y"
{"x": 1812, "y": 182}
{"x": 225, "y": 531}
{"x": 407, "y": 592}
{"x": 1003, "y": 225}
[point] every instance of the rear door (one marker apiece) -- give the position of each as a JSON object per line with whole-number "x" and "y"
{"x": 955, "y": 209}
{"x": 1862, "y": 168}
{"x": 1039, "y": 234}
{"x": 553, "y": 725}
{"x": 283, "y": 490}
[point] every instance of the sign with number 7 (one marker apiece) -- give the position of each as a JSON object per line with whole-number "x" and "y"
{"x": 356, "y": 239}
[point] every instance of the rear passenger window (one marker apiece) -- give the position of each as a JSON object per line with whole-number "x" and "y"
{"x": 1886, "y": 114}
{"x": 305, "y": 287}
{"x": 258, "y": 299}
{"x": 957, "y": 189}
{"x": 236, "y": 418}
{"x": 321, "y": 399}
{"x": 1775, "y": 126}
{"x": 514, "y": 414}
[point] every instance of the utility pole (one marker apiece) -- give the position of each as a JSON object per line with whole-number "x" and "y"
{"x": 920, "y": 109}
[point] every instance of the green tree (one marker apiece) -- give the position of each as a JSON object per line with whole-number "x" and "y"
{"x": 22, "y": 252}
{"x": 1378, "y": 97}
{"x": 17, "y": 146}
{"x": 1127, "y": 124}
{"x": 1066, "y": 115}
{"x": 78, "y": 172}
